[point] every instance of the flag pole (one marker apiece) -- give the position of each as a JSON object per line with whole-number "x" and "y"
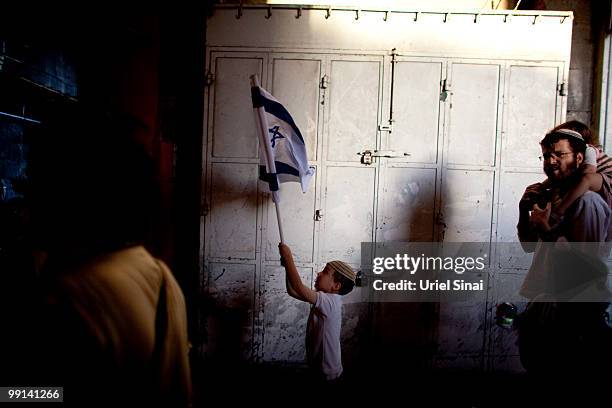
{"x": 263, "y": 141}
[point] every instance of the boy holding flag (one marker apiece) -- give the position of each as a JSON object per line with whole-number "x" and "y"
{"x": 283, "y": 149}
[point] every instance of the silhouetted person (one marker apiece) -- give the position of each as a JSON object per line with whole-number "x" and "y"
{"x": 113, "y": 326}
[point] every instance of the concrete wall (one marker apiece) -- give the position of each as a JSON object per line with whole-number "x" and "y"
{"x": 582, "y": 62}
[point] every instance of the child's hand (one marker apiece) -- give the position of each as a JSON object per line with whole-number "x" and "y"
{"x": 540, "y": 216}
{"x": 285, "y": 253}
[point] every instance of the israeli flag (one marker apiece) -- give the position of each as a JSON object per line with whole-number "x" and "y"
{"x": 285, "y": 159}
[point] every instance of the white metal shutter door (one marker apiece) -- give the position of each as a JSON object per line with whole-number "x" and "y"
{"x": 231, "y": 228}
{"x": 533, "y": 106}
{"x": 349, "y": 186}
{"x": 469, "y": 163}
{"x": 407, "y": 196}
{"x": 232, "y": 232}
{"x": 353, "y": 108}
{"x": 472, "y": 132}
{"x": 416, "y": 109}
{"x": 295, "y": 83}
{"x": 532, "y": 110}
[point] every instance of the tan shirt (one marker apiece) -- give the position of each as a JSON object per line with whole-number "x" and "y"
{"x": 133, "y": 308}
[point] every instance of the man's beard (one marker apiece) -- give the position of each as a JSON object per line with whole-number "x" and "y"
{"x": 566, "y": 180}
{"x": 557, "y": 175}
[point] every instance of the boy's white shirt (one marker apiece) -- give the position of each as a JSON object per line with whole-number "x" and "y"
{"x": 323, "y": 335}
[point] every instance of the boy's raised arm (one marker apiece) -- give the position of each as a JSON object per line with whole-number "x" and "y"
{"x": 291, "y": 291}
{"x": 294, "y": 282}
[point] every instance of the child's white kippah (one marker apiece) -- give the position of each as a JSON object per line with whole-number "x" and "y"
{"x": 343, "y": 269}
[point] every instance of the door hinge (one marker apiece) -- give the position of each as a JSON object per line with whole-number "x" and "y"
{"x": 563, "y": 89}
{"x": 209, "y": 79}
{"x": 204, "y": 210}
{"x": 440, "y": 220}
{"x": 446, "y": 85}
{"x": 318, "y": 215}
{"x": 394, "y": 56}
{"x": 386, "y": 128}
{"x": 324, "y": 81}
{"x": 446, "y": 88}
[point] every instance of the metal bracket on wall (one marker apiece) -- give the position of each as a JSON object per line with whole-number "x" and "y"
{"x": 446, "y": 88}
{"x": 210, "y": 79}
{"x": 318, "y": 215}
{"x": 324, "y": 81}
{"x": 239, "y": 14}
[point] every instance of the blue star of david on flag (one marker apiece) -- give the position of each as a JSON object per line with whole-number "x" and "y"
{"x": 275, "y": 135}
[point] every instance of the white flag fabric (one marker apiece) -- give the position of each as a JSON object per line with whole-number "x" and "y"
{"x": 285, "y": 140}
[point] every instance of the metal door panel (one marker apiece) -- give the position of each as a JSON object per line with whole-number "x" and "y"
{"x": 461, "y": 333}
{"x": 349, "y": 213}
{"x": 416, "y": 110}
{"x": 467, "y": 198}
{"x": 285, "y": 318}
{"x": 234, "y": 130}
{"x": 230, "y": 288}
{"x": 402, "y": 335}
{"x": 512, "y": 187}
{"x": 473, "y": 114}
{"x": 408, "y": 203}
{"x": 304, "y": 75}
{"x": 233, "y": 213}
{"x": 353, "y": 121}
{"x": 531, "y": 111}
{"x": 297, "y": 217}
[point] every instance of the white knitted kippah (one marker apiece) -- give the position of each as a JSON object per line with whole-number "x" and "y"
{"x": 343, "y": 269}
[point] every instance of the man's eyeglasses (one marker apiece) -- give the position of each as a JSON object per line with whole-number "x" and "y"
{"x": 554, "y": 155}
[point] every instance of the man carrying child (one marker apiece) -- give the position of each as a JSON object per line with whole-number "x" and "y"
{"x": 570, "y": 207}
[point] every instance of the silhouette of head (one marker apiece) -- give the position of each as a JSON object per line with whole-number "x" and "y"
{"x": 92, "y": 186}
